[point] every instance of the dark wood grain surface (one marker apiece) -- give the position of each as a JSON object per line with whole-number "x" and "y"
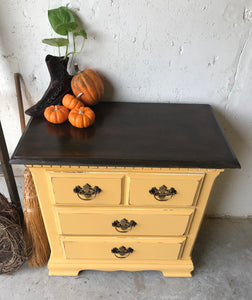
{"x": 131, "y": 134}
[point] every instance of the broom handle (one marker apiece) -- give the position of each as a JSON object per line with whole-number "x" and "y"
{"x": 20, "y": 101}
{"x": 4, "y": 156}
{"x": 16, "y": 200}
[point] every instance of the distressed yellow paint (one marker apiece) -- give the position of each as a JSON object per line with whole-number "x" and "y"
{"x": 186, "y": 187}
{"x": 99, "y": 248}
{"x": 79, "y": 221}
{"x": 81, "y": 234}
{"x": 62, "y": 186}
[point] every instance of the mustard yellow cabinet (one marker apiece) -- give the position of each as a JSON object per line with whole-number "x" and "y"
{"x": 130, "y": 192}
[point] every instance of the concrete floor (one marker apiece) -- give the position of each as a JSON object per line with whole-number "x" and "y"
{"x": 223, "y": 270}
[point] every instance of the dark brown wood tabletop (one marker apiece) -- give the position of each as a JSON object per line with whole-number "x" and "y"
{"x": 131, "y": 134}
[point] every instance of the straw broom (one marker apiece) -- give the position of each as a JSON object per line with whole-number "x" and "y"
{"x": 35, "y": 234}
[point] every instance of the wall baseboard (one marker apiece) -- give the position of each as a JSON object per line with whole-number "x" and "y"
{"x": 220, "y": 216}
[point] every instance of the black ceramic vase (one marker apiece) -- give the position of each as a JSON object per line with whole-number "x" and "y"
{"x": 60, "y": 85}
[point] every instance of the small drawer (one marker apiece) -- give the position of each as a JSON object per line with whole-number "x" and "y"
{"x": 85, "y": 189}
{"x": 165, "y": 190}
{"x": 121, "y": 249}
{"x": 74, "y": 221}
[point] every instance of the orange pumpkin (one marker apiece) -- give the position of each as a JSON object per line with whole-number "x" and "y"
{"x": 71, "y": 102}
{"x": 88, "y": 87}
{"x": 56, "y": 114}
{"x": 81, "y": 117}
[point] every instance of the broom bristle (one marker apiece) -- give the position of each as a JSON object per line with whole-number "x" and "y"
{"x": 35, "y": 234}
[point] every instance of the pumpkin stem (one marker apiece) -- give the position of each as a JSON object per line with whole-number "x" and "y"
{"x": 80, "y": 112}
{"x": 79, "y": 95}
{"x": 55, "y": 107}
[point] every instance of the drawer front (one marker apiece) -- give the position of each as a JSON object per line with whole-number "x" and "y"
{"x": 158, "y": 190}
{"x": 101, "y": 248}
{"x": 74, "y": 221}
{"x": 85, "y": 189}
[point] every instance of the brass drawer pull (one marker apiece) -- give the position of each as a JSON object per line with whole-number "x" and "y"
{"x": 86, "y": 192}
{"x": 124, "y": 225}
{"x": 122, "y": 252}
{"x": 163, "y": 193}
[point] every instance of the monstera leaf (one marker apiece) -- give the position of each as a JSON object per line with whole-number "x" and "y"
{"x": 81, "y": 32}
{"x": 62, "y": 20}
{"x": 57, "y": 42}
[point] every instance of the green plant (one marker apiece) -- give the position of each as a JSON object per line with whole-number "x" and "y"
{"x": 63, "y": 23}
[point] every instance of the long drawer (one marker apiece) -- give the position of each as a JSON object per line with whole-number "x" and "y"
{"x": 85, "y": 189}
{"x": 129, "y": 249}
{"x": 164, "y": 190}
{"x": 81, "y": 221}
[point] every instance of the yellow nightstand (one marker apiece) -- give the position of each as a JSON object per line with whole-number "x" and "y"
{"x": 130, "y": 192}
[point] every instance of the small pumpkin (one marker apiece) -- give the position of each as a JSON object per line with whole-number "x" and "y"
{"x": 88, "y": 87}
{"x": 71, "y": 102}
{"x": 56, "y": 114}
{"x": 81, "y": 117}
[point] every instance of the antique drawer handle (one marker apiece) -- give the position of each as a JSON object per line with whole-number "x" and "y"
{"x": 163, "y": 193}
{"x": 122, "y": 252}
{"x": 124, "y": 225}
{"x": 86, "y": 192}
